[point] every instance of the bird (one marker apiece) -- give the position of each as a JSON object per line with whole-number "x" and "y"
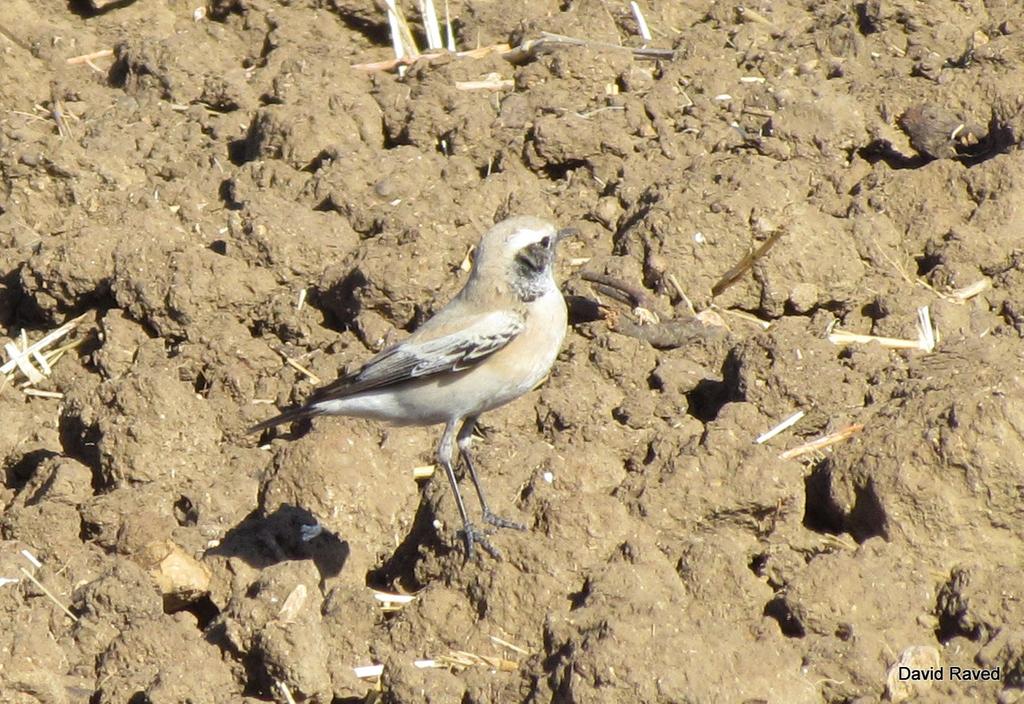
{"x": 496, "y": 340}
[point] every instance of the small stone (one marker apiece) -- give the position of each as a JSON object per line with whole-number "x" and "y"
{"x": 607, "y": 211}
{"x": 803, "y": 298}
{"x": 182, "y": 579}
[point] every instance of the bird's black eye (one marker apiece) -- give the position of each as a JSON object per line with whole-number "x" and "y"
{"x": 545, "y": 242}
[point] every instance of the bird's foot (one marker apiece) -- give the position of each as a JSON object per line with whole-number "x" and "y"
{"x": 472, "y": 536}
{"x": 499, "y": 522}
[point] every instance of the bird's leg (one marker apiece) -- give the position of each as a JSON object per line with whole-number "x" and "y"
{"x": 470, "y": 534}
{"x": 464, "y": 439}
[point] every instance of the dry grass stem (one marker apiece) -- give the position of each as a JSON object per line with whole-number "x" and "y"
{"x": 401, "y": 36}
{"x": 48, "y": 593}
{"x": 42, "y": 394}
{"x": 28, "y": 364}
{"x": 748, "y": 15}
{"x": 745, "y": 264}
{"x": 641, "y": 22}
{"x": 926, "y": 336}
{"x": 822, "y": 442}
{"x": 453, "y": 660}
{"x": 747, "y": 317}
{"x": 299, "y": 368}
{"x": 368, "y": 672}
{"x": 431, "y": 27}
{"x": 425, "y": 471}
{"x": 526, "y": 51}
{"x": 286, "y": 692}
{"x": 89, "y": 58}
{"x": 449, "y": 34}
{"x": 838, "y": 542}
{"x": 461, "y": 659}
{"x": 505, "y": 644}
{"x": 788, "y": 423}
{"x": 841, "y": 337}
{"x": 57, "y": 112}
{"x": 962, "y": 295}
{"x": 393, "y": 602}
{"x": 389, "y": 598}
{"x": 959, "y": 295}
{"x": 491, "y": 81}
{"x": 548, "y": 41}
{"x": 391, "y": 64}
{"x": 674, "y": 282}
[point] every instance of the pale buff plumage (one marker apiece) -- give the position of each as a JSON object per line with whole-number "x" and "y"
{"x": 493, "y": 342}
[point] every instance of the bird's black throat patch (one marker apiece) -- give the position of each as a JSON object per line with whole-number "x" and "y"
{"x": 533, "y": 258}
{"x": 531, "y": 271}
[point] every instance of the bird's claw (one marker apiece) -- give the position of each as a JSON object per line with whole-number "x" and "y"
{"x": 472, "y": 536}
{"x": 499, "y": 522}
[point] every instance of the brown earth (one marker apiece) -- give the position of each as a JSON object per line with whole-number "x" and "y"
{"x": 217, "y": 167}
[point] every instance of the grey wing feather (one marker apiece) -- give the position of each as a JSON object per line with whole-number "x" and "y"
{"x": 414, "y": 359}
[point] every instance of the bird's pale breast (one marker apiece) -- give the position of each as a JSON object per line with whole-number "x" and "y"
{"x": 498, "y": 379}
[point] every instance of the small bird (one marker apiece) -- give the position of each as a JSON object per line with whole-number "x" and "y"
{"x": 493, "y": 342}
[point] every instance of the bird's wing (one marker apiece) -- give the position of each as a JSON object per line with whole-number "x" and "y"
{"x": 424, "y": 355}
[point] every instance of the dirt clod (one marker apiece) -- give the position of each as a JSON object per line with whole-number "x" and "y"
{"x": 238, "y": 212}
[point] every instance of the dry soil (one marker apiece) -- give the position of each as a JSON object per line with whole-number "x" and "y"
{"x": 217, "y": 164}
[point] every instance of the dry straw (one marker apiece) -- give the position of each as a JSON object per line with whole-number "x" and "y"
{"x": 29, "y": 364}
{"x": 926, "y": 340}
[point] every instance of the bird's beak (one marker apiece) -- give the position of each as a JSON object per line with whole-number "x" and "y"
{"x": 566, "y": 232}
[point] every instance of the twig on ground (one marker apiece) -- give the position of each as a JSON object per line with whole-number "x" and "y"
{"x": 491, "y": 81}
{"x": 48, "y": 593}
{"x": 926, "y": 336}
{"x": 511, "y": 646}
{"x": 392, "y": 602}
{"x": 961, "y": 295}
{"x": 431, "y": 27}
{"x": 788, "y": 423}
{"x": 453, "y": 660}
{"x": 449, "y": 34}
{"x": 644, "y": 306}
{"x": 745, "y": 263}
{"x": 401, "y": 36}
{"x": 620, "y": 290}
{"x": 743, "y": 315}
{"x": 460, "y": 659}
{"x": 286, "y": 692}
{"x": 641, "y": 22}
{"x": 57, "y": 113}
{"x": 822, "y": 442}
{"x": 423, "y": 471}
{"x": 299, "y": 368}
{"x": 88, "y": 58}
{"x": 34, "y": 362}
{"x": 526, "y": 51}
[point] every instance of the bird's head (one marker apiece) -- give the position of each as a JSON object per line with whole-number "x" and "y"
{"x": 520, "y": 251}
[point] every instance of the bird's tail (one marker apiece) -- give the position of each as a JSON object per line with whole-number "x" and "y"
{"x": 287, "y": 416}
